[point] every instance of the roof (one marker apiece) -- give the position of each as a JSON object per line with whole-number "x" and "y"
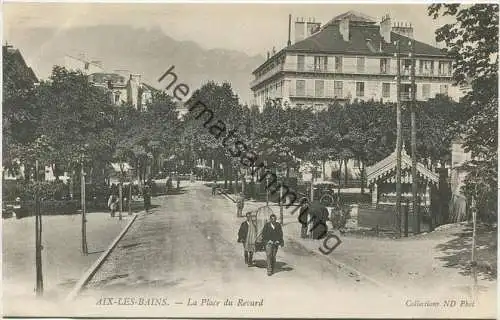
{"x": 102, "y": 77}
{"x": 14, "y": 61}
{"x": 329, "y": 40}
{"x": 354, "y": 16}
{"x": 93, "y": 63}
{"x": 361, "y": 28}
{"x": 387, "y": 168}
{"x": 150, "y": 87}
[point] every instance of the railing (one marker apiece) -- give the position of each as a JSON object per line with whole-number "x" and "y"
{"x": 405, "y": 96}
{"x": 331, "y": 68}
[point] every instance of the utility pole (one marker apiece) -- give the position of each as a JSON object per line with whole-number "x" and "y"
{"x": 399, "y": 139}
{"x": 267, "y": 189}
{"x": 473, "y": 258}
{"x": 313, "y": 172}
{"x": 416, "y": 212}
{"x": 120, "y": 195}
{"x": 84, "y": 218}
{"x": 281, "y": 203}
{"x": 38, "y": 238}
{"x": 130, "y": 197}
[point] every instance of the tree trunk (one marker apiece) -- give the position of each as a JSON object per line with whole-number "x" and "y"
{"x": 362, "y": 177}
{"x": 340, "y": 177}
{"x": 230, "y": 176}
{"x": 225, "y": 176}
{"x": 243, "y": 183}
{"x": 236, "y": 181}
{"x": 346, "y": 177}
{"x": 323, "y": 167}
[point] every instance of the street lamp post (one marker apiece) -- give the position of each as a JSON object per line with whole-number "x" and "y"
{"x": 38, "y": 238}
{"x": 416, "y": 212}
{"x": 399, "y": 139}
{"x": 267, "y": 189}
{"x": 281, "y": 203}
{"x": 84, "y": 218}
{"x": 120, "y": 195}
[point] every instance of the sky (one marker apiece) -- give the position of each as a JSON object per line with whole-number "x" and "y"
{"x": 253, "y": 28}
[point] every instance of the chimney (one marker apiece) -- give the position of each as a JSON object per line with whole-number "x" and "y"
{"x": 268, "y": 55}
{"x": 299, "y": 30}
{"x": 289, "y": 43}
{"x": 405, "y": 29}
{"x": 136, "y": 78}
{"x": 344, "y": 28}
{"x": 312, "y": 27}
{"x": 385, "y": 28}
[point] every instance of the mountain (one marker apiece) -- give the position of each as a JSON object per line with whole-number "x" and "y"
{"x": 148, "y": 52}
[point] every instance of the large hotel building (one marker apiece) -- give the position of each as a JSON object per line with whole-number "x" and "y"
{"x": 350, "y": 57}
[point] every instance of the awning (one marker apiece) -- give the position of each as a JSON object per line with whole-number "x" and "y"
{"x": 386, "y": 170}
{"x": 118, "y": 167}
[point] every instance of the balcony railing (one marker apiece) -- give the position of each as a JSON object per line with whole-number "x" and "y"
{"x": 405, "y": 96}
{"x": 331, "y": 68}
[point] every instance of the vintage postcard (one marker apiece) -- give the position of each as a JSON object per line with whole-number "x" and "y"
{"x": 249, "y": 160}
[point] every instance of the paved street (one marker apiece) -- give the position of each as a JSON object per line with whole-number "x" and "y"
{"x": 187, "y": 248}
{"x": 186, "y": 251}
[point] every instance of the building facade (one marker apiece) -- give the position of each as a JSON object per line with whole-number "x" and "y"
{"x": 350, "y": 57}
{"x": 122, "y": 87}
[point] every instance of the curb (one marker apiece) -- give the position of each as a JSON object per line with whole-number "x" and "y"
{"x": 97, "y": 264}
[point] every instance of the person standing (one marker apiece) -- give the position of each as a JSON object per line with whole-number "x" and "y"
{"x": 240, "y": 204}
{"x": 112, "y": 204}
{"x": 272, "y": 234}
{"x": 247, "y": 235}
{"x": 304, "y": 217}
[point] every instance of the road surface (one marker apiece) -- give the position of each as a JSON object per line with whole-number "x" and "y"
{"x": 182, "y": 260}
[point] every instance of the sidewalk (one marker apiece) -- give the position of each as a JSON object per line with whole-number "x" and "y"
{"x": 62, "y": 260}
{"x": 405, "y": 266}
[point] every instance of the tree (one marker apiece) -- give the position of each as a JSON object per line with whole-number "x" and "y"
{"x": 472, "y": 41}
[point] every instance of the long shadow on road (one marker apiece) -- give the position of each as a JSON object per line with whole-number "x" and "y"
{"x": 457, "y": 252}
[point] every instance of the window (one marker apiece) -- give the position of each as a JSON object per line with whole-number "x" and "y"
{"x": 319, "y": 86}
{"x": 320, "y": 63}
{"x": 338, "y": 64}
{"x": 356, "y": 163}
{"x": 426, "y": 91}
{"x": 384, "y": 65}
{"x": 360, "y": 89}
{"x": 117, "y": 97}
{"x": 300, "y": 88}
{"x": 443, "y": 89}
{"x": 300, "y": 63}
{"x": 426, "y": 67}
{"x": 360, "y": 64}
{"x": 444, "y": 68}
{"x": 405, "y": 66}
{"x": 337, "y": 89}
{"x": 386, "y": 90}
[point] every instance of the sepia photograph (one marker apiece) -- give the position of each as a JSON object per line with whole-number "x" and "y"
{"x": 225, "y": 160}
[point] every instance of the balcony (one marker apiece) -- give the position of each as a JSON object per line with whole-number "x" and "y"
{"x": 405, "y": 96}
{"x": 326, "y": 96}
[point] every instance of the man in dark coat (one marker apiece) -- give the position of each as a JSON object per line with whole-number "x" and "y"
{"x": 319, "y": 216}
{"x": 247, "y": 235}
{"x": 272, "y": 235}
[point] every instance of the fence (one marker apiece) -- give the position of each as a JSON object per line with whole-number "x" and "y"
{"x": 384, "y": 218}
